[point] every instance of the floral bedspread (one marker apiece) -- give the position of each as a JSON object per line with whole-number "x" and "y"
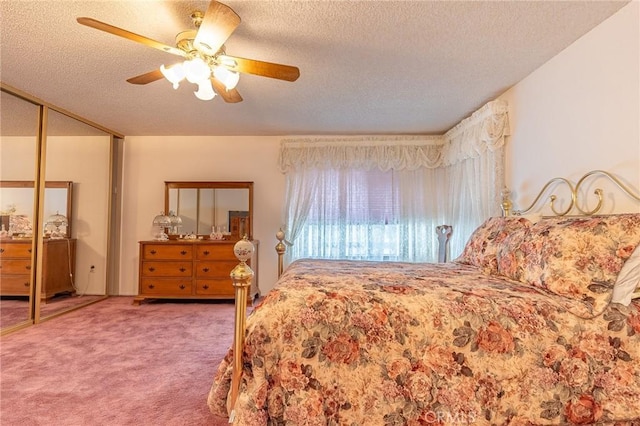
{"x": 366, "y": 343}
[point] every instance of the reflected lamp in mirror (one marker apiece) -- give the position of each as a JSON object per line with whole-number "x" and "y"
{"x": 54, "y": 225}
{"x": 160, "y": 223}
{"x": 176, "y": 223}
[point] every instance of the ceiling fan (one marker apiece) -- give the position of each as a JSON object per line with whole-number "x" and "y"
{"x": 206, "y": 62}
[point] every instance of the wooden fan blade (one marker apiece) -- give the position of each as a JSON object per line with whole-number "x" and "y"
{"x": 146, "y": 78}
{"x": 231, "y": 96}
{"x": 217, "y": 25}
{"x": 90, "y": 22}
{"x": 265, "y": 69}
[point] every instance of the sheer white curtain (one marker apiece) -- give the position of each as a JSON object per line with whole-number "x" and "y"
{"x": 473, "y": 166}
{"x": 381, "y": 197}
{"x": 365, "y": 214}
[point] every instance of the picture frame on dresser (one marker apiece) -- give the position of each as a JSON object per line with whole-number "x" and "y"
{"x": 239, "y": 224}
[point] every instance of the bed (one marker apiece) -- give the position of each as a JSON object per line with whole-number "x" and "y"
{"x": 537, "y": 322}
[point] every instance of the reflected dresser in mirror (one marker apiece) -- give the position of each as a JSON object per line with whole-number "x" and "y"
{"x": 58, "y": 265}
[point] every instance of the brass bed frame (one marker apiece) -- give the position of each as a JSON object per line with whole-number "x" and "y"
{"x": 242, "y": 273}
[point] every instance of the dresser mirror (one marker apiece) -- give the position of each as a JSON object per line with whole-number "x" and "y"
{"x": 16, "y": 206}
{"x": 204, "y": 207}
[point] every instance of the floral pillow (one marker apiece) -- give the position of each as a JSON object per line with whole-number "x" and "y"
{"x": 483, "y": 245}
{"x": 577, "y": 258}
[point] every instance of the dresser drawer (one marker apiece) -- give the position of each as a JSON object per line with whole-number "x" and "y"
{"x": 14, "y": 285}
{"x": 15, "y": 266}
{"x": 15, "y": 250}
{"x": 190, "y": 269}
{"x": 165, "y": 286}
{"x": 221, "y": 269}
{"x": 215, "y": 288}
{"x": 166, "y": 269}
{"x": 167, "y": 251}
{"x": 219, "y": 251}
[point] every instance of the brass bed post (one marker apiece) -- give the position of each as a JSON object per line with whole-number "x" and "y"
{"x": 281, "y": 250}
{"x": 241, "y": 275}
{"x": 444, "y": 233}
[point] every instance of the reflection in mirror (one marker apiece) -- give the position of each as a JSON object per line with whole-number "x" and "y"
{"x": 18, "y": 142}
{"x": 207, "y": 207}
{"x": 79, "y": 153}
{"x": 16, "y": 207}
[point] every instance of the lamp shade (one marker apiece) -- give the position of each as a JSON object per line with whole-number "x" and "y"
{"x": 56, "y": 221}
{"x": 205, "y": 90}
{"x": 161, "y": 221}
{"x": 227, "y": 77}
{"x": 174, "y": 74}
{"x": 196, "y": 70}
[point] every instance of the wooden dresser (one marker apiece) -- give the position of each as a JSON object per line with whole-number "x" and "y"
{"x": 199, "y": 269}
{"x": 58, "y": 262}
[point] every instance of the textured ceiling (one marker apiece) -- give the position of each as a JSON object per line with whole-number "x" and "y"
{"x": 366, "y": 67}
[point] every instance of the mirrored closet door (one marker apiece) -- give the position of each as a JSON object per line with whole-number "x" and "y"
{"x": 18, "y": 145}
{"x": 76, "y": 242}
{"x": 65, "y": 210}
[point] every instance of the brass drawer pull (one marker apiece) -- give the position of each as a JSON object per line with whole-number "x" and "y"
{"x": 183, "y": 252}
{"x": 152, "y": 251}
{"x": 206, "y": 252}
{"x": 205, "y": 269}
{"x": 151, "y": 269}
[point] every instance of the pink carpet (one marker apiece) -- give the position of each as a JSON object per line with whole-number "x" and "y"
{"x": 16, "y": 310}
{"x": 113, "y": 363}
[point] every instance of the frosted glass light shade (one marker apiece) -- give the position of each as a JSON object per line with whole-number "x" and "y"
{"x": 160, "y": 222}
{"x": 205, "y": 90}
{"x": 227, "y": 77}
{"x": 196, "y": 70}
{"x": 54, "y": 223}
{"x": 174, "y": 74}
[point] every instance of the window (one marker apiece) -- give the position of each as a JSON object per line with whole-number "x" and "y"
{"x": 369, "y": 215}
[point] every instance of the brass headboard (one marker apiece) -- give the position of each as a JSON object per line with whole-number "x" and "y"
{"x": 507, "y": 205}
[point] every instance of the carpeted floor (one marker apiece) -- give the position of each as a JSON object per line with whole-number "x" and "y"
{"x": 113, "y": 363}
{"x": 16, "y": 310}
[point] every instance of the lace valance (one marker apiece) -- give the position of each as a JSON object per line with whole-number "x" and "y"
{"x": 484, "y": 130}
{"x": 362, "y": 152}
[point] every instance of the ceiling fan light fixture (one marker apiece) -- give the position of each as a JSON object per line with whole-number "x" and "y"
{"x": 196, "y": 70}
{"x": 205, "y": 91}
{"x": 174, "y": 74}
{"x": 227, "y": 77}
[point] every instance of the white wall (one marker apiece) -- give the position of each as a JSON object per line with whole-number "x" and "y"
{"x": 149, "y": 161}
{"x": 580, "y": 111}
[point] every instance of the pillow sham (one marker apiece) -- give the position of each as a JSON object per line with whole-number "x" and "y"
{"x": 628, "y": 280}
{"x": 482, "y": 247}
{"x": 577, "y": 258}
